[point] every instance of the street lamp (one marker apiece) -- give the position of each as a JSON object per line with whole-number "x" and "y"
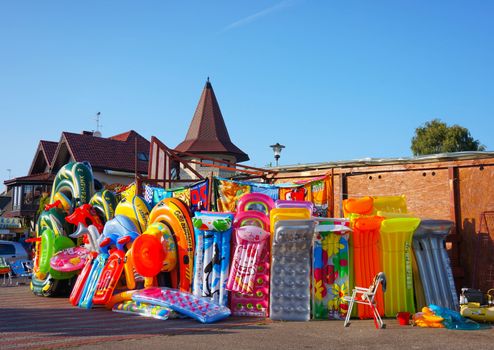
{"x": 277, "y": 150}
{"x": 10, "y": 173}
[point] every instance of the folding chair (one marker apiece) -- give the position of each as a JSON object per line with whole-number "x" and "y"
{"x": 5, "y": 271}
{"x": 366, "y": 296}
{"x": 22, "y": 270}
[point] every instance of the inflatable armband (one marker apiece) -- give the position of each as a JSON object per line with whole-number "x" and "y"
{"x": 290, "y": 282}
{"x": 185, "y": 303}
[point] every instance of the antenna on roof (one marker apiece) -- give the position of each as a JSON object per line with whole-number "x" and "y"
{"x": 97, "y": 132}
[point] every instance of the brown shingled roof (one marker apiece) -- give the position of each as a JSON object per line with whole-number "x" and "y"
{"x": 207, "y": 131}
{"x": 113, "y": 153}
{"x": 49, "y": 147}
{"x": 42, "y": 178}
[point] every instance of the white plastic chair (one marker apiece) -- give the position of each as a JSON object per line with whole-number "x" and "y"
{"x": 366, "y": 296}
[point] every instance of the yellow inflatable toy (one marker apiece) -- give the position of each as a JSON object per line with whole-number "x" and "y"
{"x": 427, "y": 319}
{"x": 136, "y": 210}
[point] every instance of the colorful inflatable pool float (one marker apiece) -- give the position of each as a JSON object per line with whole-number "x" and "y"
{"x": 70, "y": 259}
{"x": 358, "y": 206}
{"x": 173, "y": 213}
{"x": 86, "y": 215}
{"x": 136, "y": 210}
{"x": 396, "y": 254}
{"x": 212, "y": 255}
{"x": 92, "y": 280}
{"x": 256, "y": 202}
{"x": 291, "y": 264}
{"x": 478, "y": 313}
{"x": 280, "y": 203}
{"x": 330, "y": 269}
{"x": 75, "y": 181}
{"x": 120, "y": 297}
{"x": 257, "y": 303}
{"x": 105, "y": 203}
{"x": 250, "y": 244}
{"x": 390, "y": 204}
{"x": 366, "y": 259}
{"x": 131, "y": 307}
{"x": 433, "y": 263}
{"x": 185, "y": 303}
{"x": 81, "y": 280}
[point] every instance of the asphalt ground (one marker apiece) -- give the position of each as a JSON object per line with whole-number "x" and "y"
{"x": 31, "y": 322}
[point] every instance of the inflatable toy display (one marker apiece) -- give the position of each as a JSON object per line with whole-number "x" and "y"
{"x": 290, "y": 270}
{"x": 433, "y": 263}
{"x": 85, "y": 215}
{"x": 136, "y": 210}
{"x": 396, "y": 254}
{"x": 330, "y": 269}
{"x": 212, "y": 255}
{"x": 173, "y": 213}
{"x": 142, "y": 309}
{"x": 185, "y": 303}
{"x": 75, "y": 295}
{"x": 366, "y": 259}
{"x": 92, "y": 279}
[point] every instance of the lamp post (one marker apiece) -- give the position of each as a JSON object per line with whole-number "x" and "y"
{"x": 10, "y": 173}
{"x": 277, "y": 150}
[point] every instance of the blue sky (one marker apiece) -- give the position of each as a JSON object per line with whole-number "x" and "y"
{"x": 331, "y": 80}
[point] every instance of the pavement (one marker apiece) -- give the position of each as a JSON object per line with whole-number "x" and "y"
{"x": 31, "y": 322}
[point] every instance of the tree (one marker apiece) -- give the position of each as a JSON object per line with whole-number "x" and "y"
{"x": 436, "y": 136}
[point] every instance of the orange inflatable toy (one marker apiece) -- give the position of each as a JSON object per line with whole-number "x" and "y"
{"x": 367, "y": 264}
{"x": 173, "y": 213}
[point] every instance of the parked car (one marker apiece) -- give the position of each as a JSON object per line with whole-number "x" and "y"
{"x": 12, "y": 251}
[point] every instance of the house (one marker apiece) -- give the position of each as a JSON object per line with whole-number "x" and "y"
{"x": 114, "y": 160}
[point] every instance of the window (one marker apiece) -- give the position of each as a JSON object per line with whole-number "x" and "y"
{"x": 142, "y": 156}
{"x": 7, "y": 249}
{"x": 27, "y": 194}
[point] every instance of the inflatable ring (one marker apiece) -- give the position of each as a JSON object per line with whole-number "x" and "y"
{"x": 251, "y": 218}
{"x": 75, "y": 181}
{"x": 173, "y": 213}
{"x": 105, "y": 203}
{"x": 252, "y": 201}
{"x": 148, "y": 255}
{"x": 136, "y": 210}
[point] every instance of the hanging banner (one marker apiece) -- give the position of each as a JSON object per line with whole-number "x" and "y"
{"x": 199, "y": 196}
{"x": 228, "y": 193}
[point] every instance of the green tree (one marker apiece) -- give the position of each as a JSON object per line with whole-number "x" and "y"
{"x": 436, "y": 136}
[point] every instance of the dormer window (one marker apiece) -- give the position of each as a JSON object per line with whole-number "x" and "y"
{"x": 142, "y": 156}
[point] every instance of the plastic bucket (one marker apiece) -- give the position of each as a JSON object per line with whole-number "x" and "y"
{"x": 403, "y": 318}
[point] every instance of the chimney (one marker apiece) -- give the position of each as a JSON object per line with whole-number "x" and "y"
{"x": 88, "y": 133}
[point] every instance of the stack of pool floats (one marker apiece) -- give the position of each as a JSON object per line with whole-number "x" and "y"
{"x": 268, "y": 259}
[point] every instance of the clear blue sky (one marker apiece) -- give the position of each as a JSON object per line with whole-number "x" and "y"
{"x": 331, "y": 80}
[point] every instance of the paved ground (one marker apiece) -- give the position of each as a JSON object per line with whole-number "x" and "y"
{"x": 30, "y": 322}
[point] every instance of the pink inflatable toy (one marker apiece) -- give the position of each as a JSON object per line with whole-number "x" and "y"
{"x": 251, "y": 241}
{"x": 256, "y": 202}
{"x": 251, "y": 218}
{"x": 70, "y": 259}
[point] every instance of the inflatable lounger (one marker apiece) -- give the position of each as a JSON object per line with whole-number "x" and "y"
{"x": 366, "y": 259}
{"x": 255, "y": 202}
{"x": 255, "y": 304}
{"x": 396, "y": 241}
{"x": 390, "y": 204}
{"x": 433, "y": 263}
{"x": 185, "y": 303}
{"x": 290, "y": 269}
{"x": 330, "y": 269}
{"x": 132, "y": 307}
{"x": 212, "y": 255}
{"x": 173, "y": 213}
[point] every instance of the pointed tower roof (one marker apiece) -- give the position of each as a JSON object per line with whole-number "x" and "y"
{"x": 207, "y": 131}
